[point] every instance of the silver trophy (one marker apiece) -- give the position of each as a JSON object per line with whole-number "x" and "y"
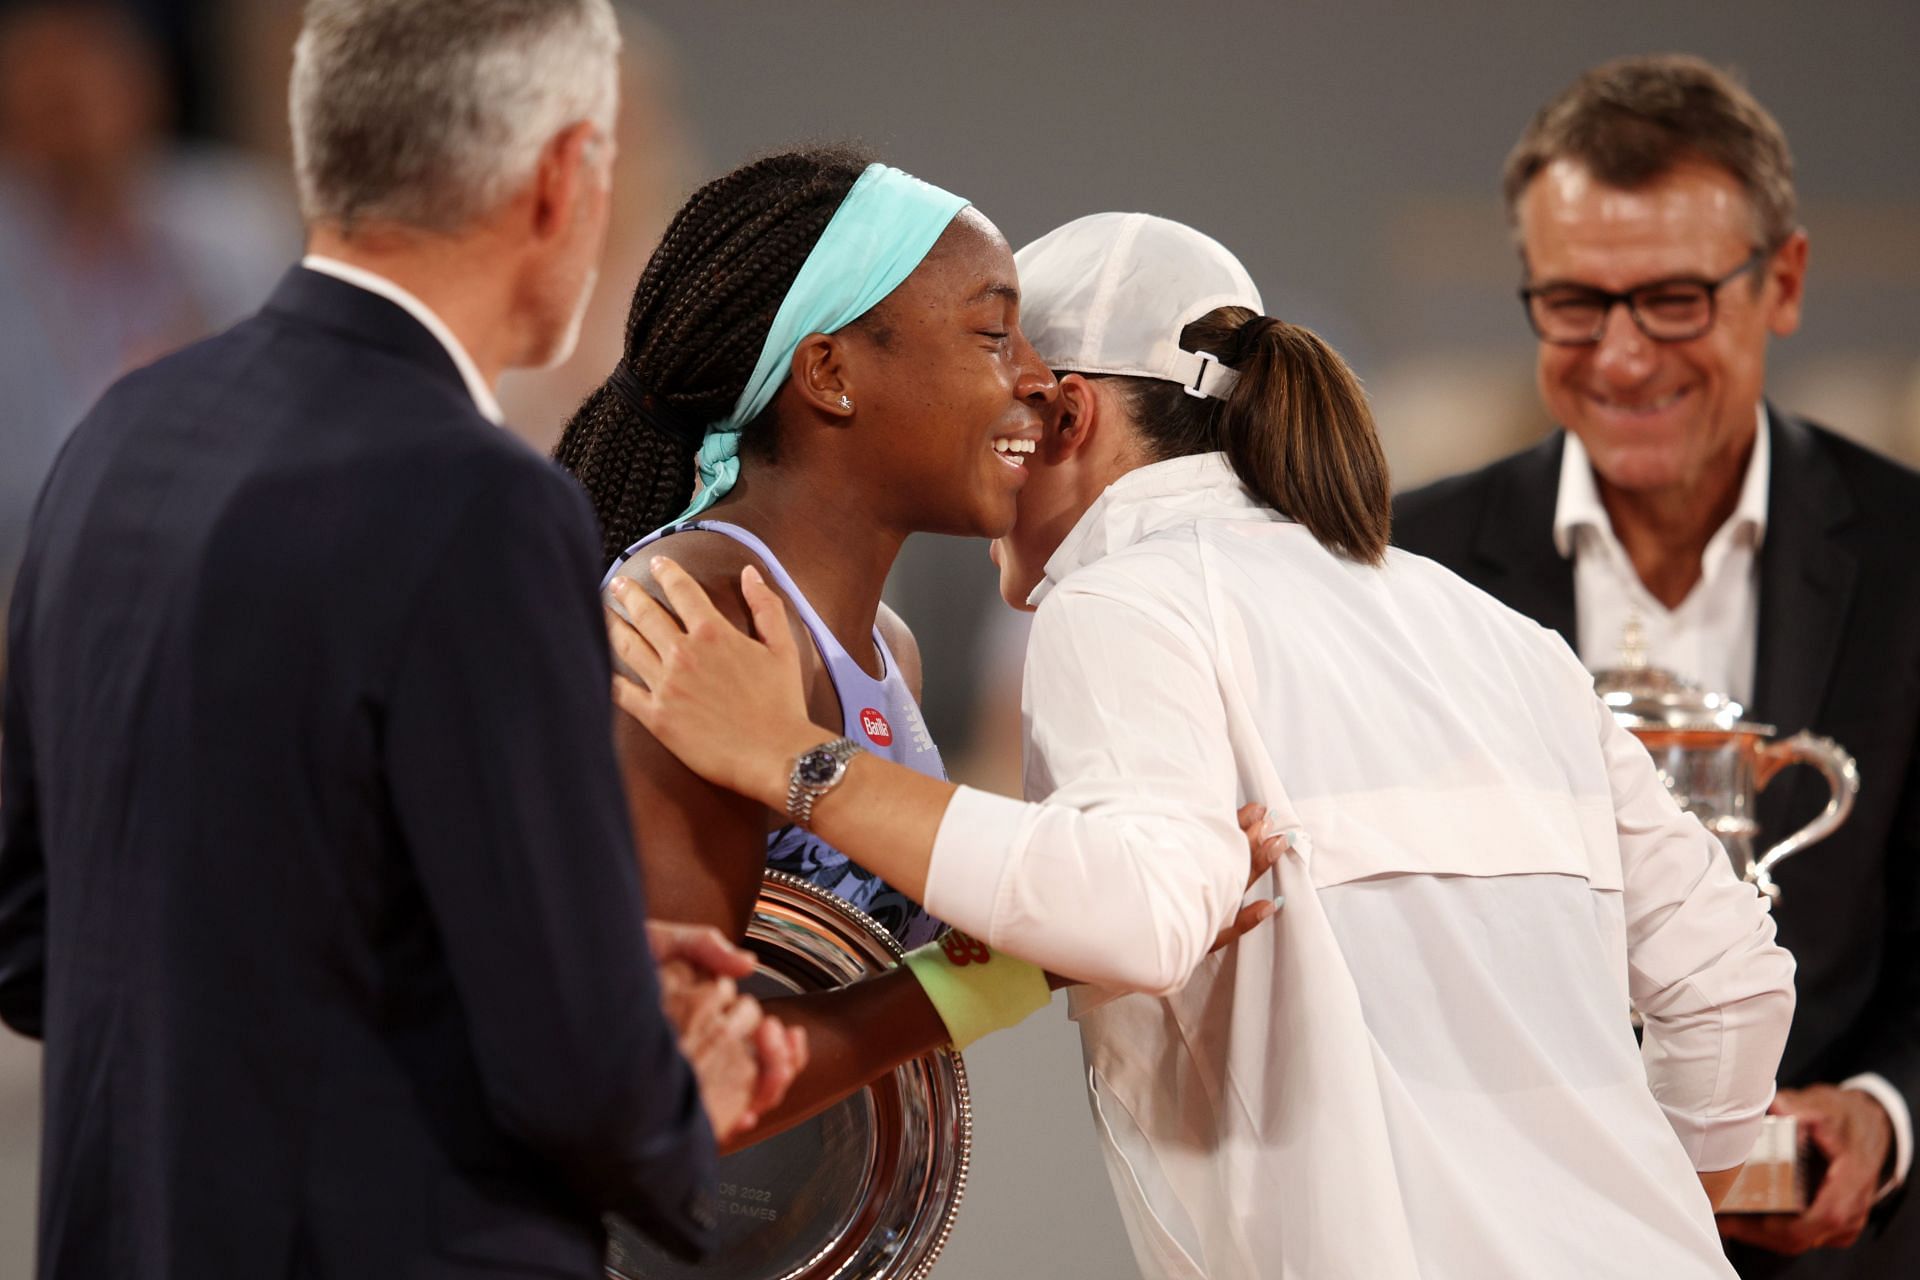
{"x": 1715, "y": 761}
{"x": 866, "y": 1190}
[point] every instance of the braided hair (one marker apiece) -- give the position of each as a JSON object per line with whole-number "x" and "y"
{"x": 700, "y": 313}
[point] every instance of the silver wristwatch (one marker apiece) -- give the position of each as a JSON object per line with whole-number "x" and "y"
{"x": 815, "y": 773}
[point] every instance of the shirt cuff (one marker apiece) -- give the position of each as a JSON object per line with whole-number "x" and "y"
{"x": 1881, "y": 1090}
{"x": 1717, "y": 1142}
{"x": 979, "y": 835}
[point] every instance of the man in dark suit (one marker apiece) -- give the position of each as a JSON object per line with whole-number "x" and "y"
{"x": 1748, "y": 549}
{"x": 317, "y": 879}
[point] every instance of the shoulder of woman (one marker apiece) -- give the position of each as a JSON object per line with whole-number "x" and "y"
{"x": 711, "y": 559}
{"x": 905, "y": 649}
{"x": 715, "y": 561}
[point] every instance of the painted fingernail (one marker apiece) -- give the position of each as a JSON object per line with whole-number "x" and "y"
{"x": 657, "y": 563}
{"x": 753, "y": 575}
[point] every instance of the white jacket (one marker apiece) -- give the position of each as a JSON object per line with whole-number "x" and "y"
{"x": 1423, "y": 1067}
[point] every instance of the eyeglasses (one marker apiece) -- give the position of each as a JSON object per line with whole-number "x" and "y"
{"x": 1575, "y": 315}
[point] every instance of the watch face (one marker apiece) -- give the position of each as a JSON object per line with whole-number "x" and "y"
{"x": 817, "y": 768}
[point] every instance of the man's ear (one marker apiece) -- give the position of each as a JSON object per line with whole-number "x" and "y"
{"x": 1788, "y": 272}
{"x": 821, "y": 378}
{"x": 568, "y": 164}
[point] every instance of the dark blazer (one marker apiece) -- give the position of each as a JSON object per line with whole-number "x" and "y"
{"x": 1839, "y": 653}
{"x": 316, "y": 877}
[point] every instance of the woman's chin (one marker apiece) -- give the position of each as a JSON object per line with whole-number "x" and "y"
{"x": 1015, "y": 586}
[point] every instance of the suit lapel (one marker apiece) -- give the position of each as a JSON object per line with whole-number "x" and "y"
{"x": 1807, "y": 577}
{"x": 1514, "y": 543}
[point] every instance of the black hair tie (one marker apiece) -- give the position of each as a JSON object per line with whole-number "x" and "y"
{"x": 641, "y": 404}
{"x": 1247, "y": 338}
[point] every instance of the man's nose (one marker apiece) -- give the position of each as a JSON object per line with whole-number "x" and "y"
{"x": 1624, "y": 356}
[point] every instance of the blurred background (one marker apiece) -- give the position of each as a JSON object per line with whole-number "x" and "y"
{"x": 1348, "y": 153}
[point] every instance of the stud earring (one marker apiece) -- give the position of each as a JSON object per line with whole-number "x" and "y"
{"x": 845, "y": 403}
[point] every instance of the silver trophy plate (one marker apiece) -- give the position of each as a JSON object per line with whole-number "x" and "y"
{"x": 867, "y": 1189}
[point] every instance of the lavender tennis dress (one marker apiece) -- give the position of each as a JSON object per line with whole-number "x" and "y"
{"x": 881, "y": 715}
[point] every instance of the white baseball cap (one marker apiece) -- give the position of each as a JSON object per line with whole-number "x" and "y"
{"x": 1111, "y": 292}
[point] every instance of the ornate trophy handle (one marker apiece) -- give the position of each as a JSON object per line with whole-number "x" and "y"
{"x": 1843, "y": 777}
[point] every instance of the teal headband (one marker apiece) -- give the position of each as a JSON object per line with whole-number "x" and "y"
{"x": 883, "y": 230}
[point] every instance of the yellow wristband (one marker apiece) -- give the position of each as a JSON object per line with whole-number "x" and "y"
{"x": 974, "y": 988}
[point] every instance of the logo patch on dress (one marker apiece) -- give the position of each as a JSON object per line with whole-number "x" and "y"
{"x": 875, "y": 726}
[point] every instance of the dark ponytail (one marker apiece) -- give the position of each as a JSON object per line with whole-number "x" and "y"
{"x": 700, "y": 314}
{"x": 1296, "y": 428}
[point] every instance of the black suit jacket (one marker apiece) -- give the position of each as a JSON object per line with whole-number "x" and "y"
{"x": 1839, "y": 653}
{"x": 316, "y": 878}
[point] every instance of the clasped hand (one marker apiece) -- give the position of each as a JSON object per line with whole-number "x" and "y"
{"x": 743, "y": 1059}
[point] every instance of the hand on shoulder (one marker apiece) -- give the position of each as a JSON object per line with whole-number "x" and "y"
{"x": 727, "y": 699}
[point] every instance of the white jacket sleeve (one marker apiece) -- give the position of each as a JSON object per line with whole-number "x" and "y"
{"x": 1715, "y": 989}
{"x": 1134, "y": 863}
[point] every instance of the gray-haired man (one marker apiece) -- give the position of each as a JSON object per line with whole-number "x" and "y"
{"x": 315, "y": 873}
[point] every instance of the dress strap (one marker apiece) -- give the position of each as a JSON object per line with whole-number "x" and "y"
{"x": 838, "y": 659}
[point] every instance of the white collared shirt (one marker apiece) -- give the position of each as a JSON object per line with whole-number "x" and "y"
{"x": 483, "y": 397}
{"x": 1711, "y": 638}
{"x": 1423, "y": 1065}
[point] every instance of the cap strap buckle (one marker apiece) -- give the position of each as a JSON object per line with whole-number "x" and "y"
{"x": 1211, "y": 379}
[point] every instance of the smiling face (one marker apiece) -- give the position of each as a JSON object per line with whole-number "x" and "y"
{"x": 1050, "y": 503}
{"x": 948, "y": 391}
{"x": 1658, "y": 417}
{"x": 1089, "y": 442}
